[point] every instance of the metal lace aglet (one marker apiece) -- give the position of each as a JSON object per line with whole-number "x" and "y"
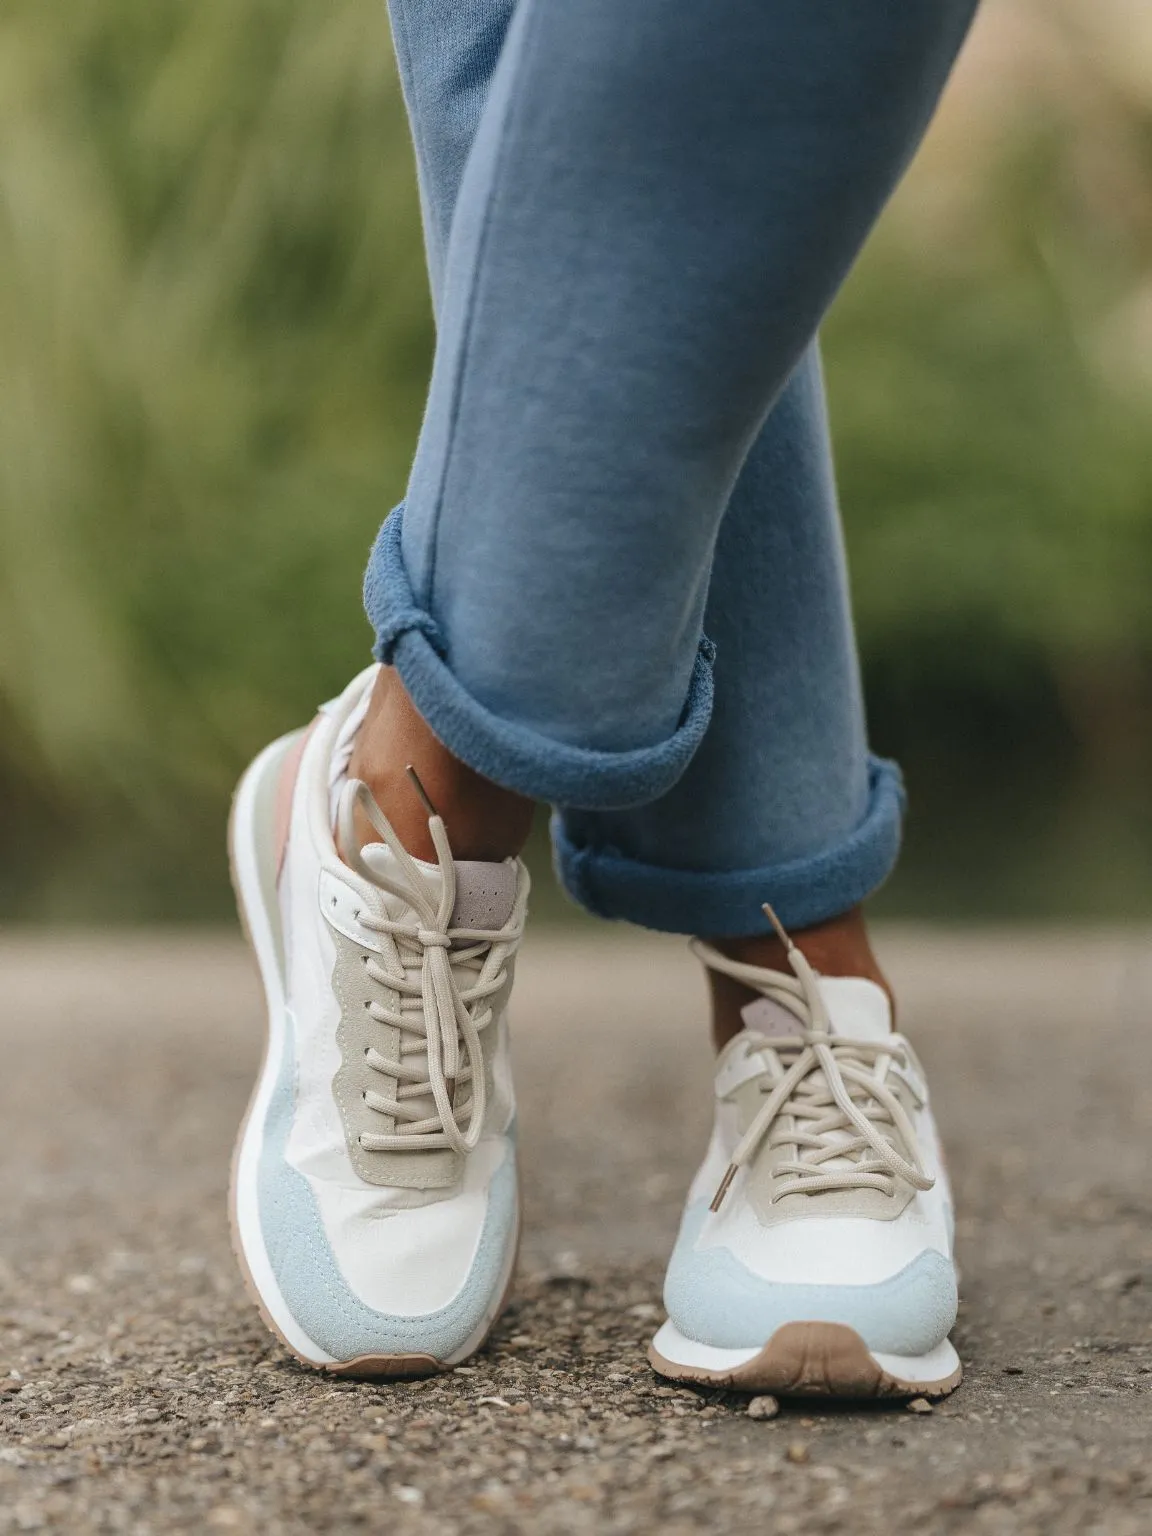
{"x": 718, "y": 1197}
{"x": 425, "y": 798}
{"x": 798, "y": 960}
{"x": 781, "y": 931}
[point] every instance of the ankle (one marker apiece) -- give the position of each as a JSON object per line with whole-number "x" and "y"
{"x": 484, "y": 821}
{"x": 838, "y": 947}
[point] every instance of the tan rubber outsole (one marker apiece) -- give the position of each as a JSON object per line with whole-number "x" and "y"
{"x": 810, "y": 1360}
{"x": 373, "y": 1367}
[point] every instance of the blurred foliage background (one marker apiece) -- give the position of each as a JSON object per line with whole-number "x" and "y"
{"x": 214, "y": 336}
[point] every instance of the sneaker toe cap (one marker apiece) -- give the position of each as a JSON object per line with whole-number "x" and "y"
{"x": 714, "y": 1297}
{"x": 416, "y": 1303}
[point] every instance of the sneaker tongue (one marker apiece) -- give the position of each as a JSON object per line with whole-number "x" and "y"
{"x": 857, "y": 1008}
{"x": 485, "y": 896}
{"x": 768, "y": 1017}
{"x": 485, "y": 893}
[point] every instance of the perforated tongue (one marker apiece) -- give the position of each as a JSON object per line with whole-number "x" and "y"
{"x": 858, "y": 1010}
{"x": 485, "y": 893}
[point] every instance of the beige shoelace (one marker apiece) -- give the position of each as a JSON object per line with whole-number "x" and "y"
{"x": 443, "y": 1009}
{"x": 832, "y": 1094}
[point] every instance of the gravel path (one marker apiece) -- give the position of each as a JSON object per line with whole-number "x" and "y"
{"x": 139, "y": 1392}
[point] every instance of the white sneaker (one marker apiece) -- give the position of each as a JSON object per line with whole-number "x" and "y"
{"x": 374, "y": 1194}
{"x": 815, "y": 1252}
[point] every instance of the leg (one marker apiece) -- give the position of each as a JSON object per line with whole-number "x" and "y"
{"x": 446, "y": 55}
{"x": 782, "y": 801}
{"x": 596, "y": 695}
{"x": 399, "y": 972}
{"x": 375, "y": 1202}
{"x": 579, "y": 449}
{"x": 446, "y": 69}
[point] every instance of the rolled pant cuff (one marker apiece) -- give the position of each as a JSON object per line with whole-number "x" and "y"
{"x": 727, "y": 903}
{"x": 516, "y": 756}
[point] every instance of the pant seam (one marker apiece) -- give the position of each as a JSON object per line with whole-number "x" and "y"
{"x": 471, "y": 308}
{"x": 405, "y": 58}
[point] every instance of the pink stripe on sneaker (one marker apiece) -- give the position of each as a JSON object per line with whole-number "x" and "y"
{"x": 285, "y": 789}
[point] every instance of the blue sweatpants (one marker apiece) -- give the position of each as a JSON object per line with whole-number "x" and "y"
{"x": 617, "y": 580}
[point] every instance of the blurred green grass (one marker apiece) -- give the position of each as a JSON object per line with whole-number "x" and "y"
{"x": 214, "y": 335}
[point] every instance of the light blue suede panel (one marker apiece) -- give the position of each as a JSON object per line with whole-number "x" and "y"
{"x": 715, "y": 1299}
{"x": 316, "y": 1292}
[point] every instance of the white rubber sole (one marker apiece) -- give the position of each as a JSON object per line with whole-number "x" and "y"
{"x": 250, "y": 849}
{"x": 807, "y": 1359}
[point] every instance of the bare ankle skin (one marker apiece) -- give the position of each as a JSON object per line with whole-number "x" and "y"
{"x": 483, "y": 820}
{"x": 838, "y": 947}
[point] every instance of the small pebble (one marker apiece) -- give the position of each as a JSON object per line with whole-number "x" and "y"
{"x": 1120, "y": 1280}
{"x": 1015, "y": 1485}
{"x": 797, "y": 1453}
{"x": 763, "y": 1408}
{"x": 919, "y": 1405}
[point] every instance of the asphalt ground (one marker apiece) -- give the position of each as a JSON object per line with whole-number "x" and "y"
{"x": 140, "y": 1393}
